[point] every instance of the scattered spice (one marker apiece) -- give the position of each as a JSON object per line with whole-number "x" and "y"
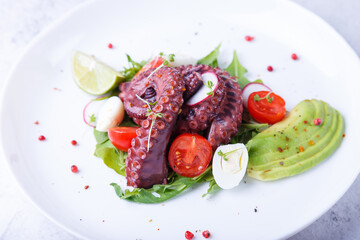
{"x": 189, "y": 235}
{"x": 74, "y": 169}
{"x": 317, "y": 121}
{"x": 110, "y": 45}
{"x": 255, "y": 209}
{"x": 249, "y": 38}
{"x": 103, "y": 220}
{"x": 281, "y": 163}
{"x": 279, "y": 149}
{"x": 311, "y": 142}
{"x": 344, "y": 135}
{"x": 150, "y": 220}
{"x": 294, "y": 56}
{"x": 86, "y": 187}
{"x": 74, "y": 142}
{"x": 37, "y": 122}
{"x": 305, "y": 122}
{"x": 270, "y": 68}
{"x": 301, "y": 148}
{"x": 206, "y": 234}
{"x": 41, "y": 138}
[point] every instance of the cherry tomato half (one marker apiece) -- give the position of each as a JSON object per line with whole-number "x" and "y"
{"x": 266, "y": 107}
{"x": 121, "y": 137}
{"x": 156, "y": 62}
{"x": 190, "y": 154}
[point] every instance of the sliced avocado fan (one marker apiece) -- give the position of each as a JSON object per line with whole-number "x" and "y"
{"x": 296, "y": 144}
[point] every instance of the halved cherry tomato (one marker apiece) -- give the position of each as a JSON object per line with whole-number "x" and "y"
{"x": 266, "y": 107}
{"x": 156, "y": 62}
{"x": 190, "y": 154}
{"x": 121, "y": 137}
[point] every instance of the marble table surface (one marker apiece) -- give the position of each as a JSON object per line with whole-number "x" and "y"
{"x": 22, "y": 20}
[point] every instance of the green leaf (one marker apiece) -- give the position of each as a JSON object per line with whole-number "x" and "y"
{"x": 112, "y": 157}
{"x": 100, "y": 137}
{"x": 133, "y": 68}
{"x": 213, "y": 188}
{"x": 160, "y": 193}
{"x": 211, "y": 59}
{"x": 117, "y": 189}
{"x": 235, "y": 69}
{"x": 247, "y": 132}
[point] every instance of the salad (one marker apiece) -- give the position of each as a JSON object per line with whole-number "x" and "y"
{"x": 172, "y": 122}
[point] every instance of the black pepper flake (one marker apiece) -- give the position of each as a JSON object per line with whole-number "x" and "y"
{"x": 255, "y": 209}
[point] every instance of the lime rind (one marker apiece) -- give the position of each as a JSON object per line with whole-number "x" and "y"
{"x": 93, "y": 76}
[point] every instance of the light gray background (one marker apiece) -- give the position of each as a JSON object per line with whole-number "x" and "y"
{"x": 22, "y": 20}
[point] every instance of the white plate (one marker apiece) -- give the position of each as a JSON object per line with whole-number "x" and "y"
{"x": 327, "y": 69}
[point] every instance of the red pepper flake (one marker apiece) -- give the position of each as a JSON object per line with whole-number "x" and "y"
{"x": 281, "y": 163}
{"x": 150, "y": 220}
{"x": 41, "y": 138}
{"x": 110, "y": 45}
{"x": 305, "y": 122}
{"x": 317, "y": 121}
{"x": 301, "y": 148}
{"x": 311, "y": 142}
{"x": 344, "y": 135}
{"x": 158, "y": 229}
{"x": 279, "y": 149}
{"x": 74, "y": 169}
{"x": 304, "y": 129}
{"x": 74, "y": 142}
{"x": 249, "y": 38}
{"x": 37, "y": 122}
{"x": 270, "y": 68}
{"x": 103, "y": 220}
{"x": 287, "y": 147}
{"x": 206, "y": 234}
{"x": 86, "y": 187}
{"x": 294, "y": 56}
{"x": 189, "y": 235}
{"x": 317, "y": 136}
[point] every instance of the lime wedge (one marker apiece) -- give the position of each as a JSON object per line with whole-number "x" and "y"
{"x": 93, "y": 76}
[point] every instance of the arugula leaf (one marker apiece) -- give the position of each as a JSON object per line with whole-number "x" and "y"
{"x": 160, "y": 193}
{"x": 235, "y": 69}
{"x": 213, "y": 188}
{"x": 211, "y": 59}
{"x": 133, "y": 68}
{"x": 112, "y": 157}
{"x": 247, "y": 131}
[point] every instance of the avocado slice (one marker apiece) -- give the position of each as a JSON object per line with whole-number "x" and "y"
{"x": 296, "y": 144}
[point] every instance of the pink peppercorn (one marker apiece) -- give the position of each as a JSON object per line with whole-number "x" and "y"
{"x": 294, "y": 56}
{"x": 110, "y": 45}
{"x": 317, "y": 121}
{"x": 206, "y": 234}
{"x": 189, "y": 235}
{"x": 73, "y": 142}
{"x": 41, "y": 138}
{"x": 74, "y": 169}
{"x": 249, "y": 38}
{"x": 270, "y": 68}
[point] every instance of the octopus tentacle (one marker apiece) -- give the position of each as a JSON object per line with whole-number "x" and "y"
{"x": 225, "y": 125}
{"x": 146, "y": 163}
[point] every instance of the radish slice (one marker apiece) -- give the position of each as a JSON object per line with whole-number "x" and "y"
{"x": 250, "y": 88}
{"x": 92, "y": 108}
{"x": 204, "y": 92}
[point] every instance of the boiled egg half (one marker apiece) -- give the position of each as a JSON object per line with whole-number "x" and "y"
{"x": 229, "y": 165}
{"x": 111, "y": 114}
